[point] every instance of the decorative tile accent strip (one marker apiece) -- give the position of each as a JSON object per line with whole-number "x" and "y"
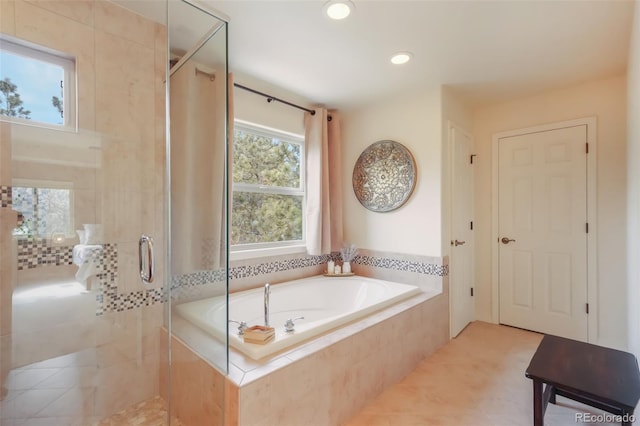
{"x": 6, "y": 199}
{"x": 247, "y": 271}
{"x": 403, "y": 265}
{"x": 33, "y": 253}
{"x": 110, "y": 301}
{"x": 137, "y": 299}
{"x": 181, "y": 285}
{"x": 198, "y": 278}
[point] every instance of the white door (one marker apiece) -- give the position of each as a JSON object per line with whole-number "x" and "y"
{"x": 462, "y": 307}
{"x": 542, "y": 231}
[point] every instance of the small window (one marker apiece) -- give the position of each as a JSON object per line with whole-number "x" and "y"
{"x": 37, "y": 85}
{"x": 46, "y": 208}
{"x": 268, "y": 188}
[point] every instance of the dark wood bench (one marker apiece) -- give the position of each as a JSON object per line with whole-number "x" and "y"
{"x": 600, "y": 377}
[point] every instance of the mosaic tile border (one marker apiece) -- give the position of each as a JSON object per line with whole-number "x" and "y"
{"x": 108, "y": 298}
{"x": 248, "y": 271}
{"x": 34, "y": 253}
{"x": 403, "y": 265}
{"x": 6, "y": 199}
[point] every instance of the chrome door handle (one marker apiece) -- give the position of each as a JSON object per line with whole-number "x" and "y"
{"x": 506, "y": 240}
{"x": 146, "y": 268}
{"x": 458, "y": 243}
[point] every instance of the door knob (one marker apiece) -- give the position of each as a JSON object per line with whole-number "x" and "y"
{"x": 506, "y": 240}
{"x": 458, "y": 243}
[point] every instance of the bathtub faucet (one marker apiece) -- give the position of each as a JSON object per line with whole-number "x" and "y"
{"x": 267, "y": 291}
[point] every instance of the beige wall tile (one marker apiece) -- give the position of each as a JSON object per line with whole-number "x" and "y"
{"x": 5, "y": 154}
{"x": 230, "y": 403}
{"x": 8, "y": 261}
{"x": 7, "y": 17}
{"x": 78, "y": 10}
{"x": 123, "y": 64}
{"x": 119, "y": 21}
{"x": 44, "y": 27}
{"x": 188, "y": 372}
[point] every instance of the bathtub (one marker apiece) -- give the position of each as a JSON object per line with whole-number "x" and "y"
{"x": 324, "y": 302}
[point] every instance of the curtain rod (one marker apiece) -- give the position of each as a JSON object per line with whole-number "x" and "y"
{"x": 273, "y": 98}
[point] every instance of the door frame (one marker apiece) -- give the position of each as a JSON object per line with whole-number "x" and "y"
{"x": 451, "y": 127}
{"x": 592, "y": 267}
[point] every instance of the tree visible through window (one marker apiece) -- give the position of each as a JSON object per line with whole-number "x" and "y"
{"x": 268, "y": 182}
{"x": 36, "y": 84}
{"x": 45, "y": 211}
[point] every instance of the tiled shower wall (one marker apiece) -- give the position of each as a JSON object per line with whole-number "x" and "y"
{"x": 118, "y": 181}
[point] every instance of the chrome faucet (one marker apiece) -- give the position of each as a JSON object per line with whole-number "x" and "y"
{"x": 267, "y": 291}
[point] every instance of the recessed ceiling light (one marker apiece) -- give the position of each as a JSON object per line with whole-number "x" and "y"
{"x": 338, "y": 9}
{"x": 401, "y": 58}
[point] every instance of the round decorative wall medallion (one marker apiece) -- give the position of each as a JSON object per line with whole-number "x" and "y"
{"x": 384, "y": 176}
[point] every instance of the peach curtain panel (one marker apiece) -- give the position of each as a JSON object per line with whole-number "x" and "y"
{"x": 324, "y": 183}
{"x": 197, "y": 171}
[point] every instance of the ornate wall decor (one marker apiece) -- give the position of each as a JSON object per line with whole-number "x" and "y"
{"x": 384, "y": 176}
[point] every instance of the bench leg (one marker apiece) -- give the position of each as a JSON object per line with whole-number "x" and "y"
{"x": 552, "y": 394}
{"x": 538, "y": 410}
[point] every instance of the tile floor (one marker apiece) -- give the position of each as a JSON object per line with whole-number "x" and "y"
{"x": 476, "y": 379}
{"x": 66, "y": 391}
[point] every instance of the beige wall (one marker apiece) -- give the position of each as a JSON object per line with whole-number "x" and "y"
{"x": 413, "y": 120}
{"x": 604, "y": 99}
{"x": 633, "y": 189}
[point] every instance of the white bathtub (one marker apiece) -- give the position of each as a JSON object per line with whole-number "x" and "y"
{"x": 324, "y": 302}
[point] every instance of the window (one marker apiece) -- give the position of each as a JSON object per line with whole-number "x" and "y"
{"x": 268, "y": 188}
{"x": 37, "y": 85}
{"x": 46, "y": 208}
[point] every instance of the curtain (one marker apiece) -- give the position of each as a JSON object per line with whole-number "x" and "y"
{"x": 197, "y": 168}
{"x": 230, "y": 139}
{"x": 324, "y": 183}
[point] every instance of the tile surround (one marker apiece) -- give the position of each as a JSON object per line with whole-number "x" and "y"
{"x": 330, "y": 378}
{"x": 351, "y": 360}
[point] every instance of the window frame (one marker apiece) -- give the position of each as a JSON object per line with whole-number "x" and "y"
{"x": 65, "y": 61}
{"x": 247, "y": 251}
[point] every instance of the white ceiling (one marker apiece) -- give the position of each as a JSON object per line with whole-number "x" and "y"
{"x": 488, "y": 51}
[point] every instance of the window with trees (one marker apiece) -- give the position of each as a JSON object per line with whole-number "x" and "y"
{"x": 46, "y": 208}
{"x": 37, "y": 85}
{"x": 268, "y": 188}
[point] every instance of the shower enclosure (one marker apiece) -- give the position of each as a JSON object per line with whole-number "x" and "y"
{"x": 107, "y": 218}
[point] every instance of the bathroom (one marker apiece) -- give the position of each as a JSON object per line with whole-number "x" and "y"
{"x": 96, "y": 350}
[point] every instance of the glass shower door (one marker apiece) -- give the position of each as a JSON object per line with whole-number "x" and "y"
{"x": 82, "y": 178}
{"x": 198, "y": 200}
